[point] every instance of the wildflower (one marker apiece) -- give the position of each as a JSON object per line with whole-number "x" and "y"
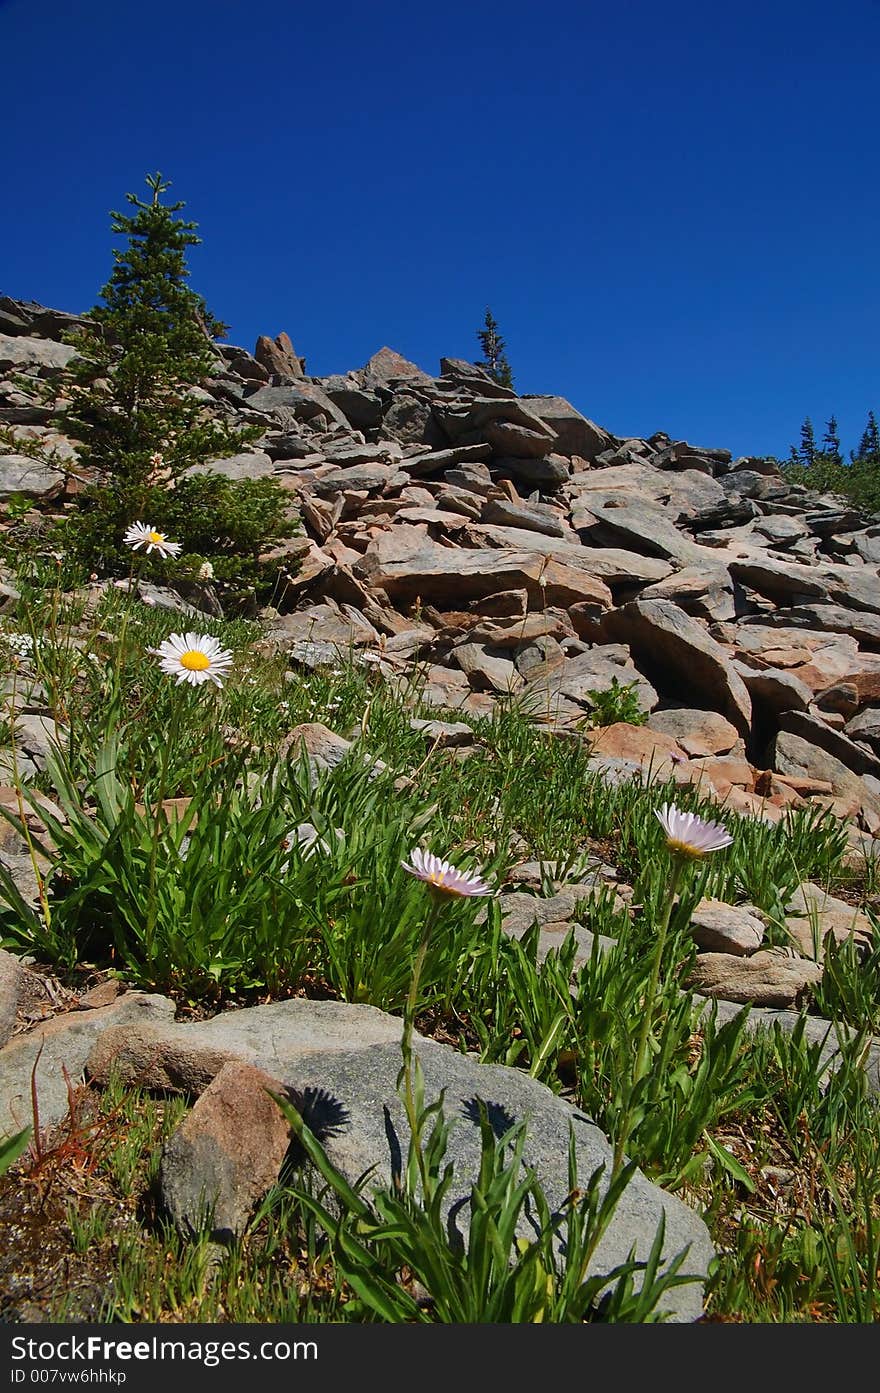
{"x": 157, "y": 459}
{"x": 690, "y": 836}
{"x": 193, "y": 658}
{"x": 440, "y": 875}
{"x": 22, "y": 644}
{"x": 143, "y": 534}
{"x": 205, "y": 571}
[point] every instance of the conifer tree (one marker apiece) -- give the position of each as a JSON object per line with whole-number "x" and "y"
{"x": 494, "y": 358}
{"x": 151, "y": 342}
{"x": 147, "y": 346}
{"x": 807, "y": 452}
{"x": 869, "y": 445}
{"x": 831, "y": 442}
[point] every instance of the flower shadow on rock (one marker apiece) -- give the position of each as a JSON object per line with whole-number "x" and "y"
{"x": 324, "y": 1116}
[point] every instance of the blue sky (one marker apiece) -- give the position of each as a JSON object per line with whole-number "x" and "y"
{"x": 671, "y": 208}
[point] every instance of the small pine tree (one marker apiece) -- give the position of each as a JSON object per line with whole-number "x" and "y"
{"x": 146, "y": 347}
{"x": 494, "y": 359}
{"x": 869, "y": 445}
{"x": 151, "y": 342}
{"x": 807, "y": 451}
{"x": 831, "y": 442}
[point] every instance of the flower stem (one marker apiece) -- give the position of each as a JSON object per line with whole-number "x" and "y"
{"x": 406, "y": 1050}
{"x": 641, "y": 1064}
{"x": 158, "y": 815}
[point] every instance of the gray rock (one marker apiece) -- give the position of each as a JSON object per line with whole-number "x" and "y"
{"x": 11, "y": 972}
{"x": 24, "y": 352}
{"x": 767, "y": 978}
{"x": 772, "y": 689}
{"x": 531, "y": 516}
{"x": 859, "y": 624}
{"x": 614, "y": 519}
{"x": 21, "y": 474}
{"x": 673, "y": 650}
{"x": 782, "y": 581}
{"x": 251, "y": 464}
{"x": 362, "y": 409}
{"x": 460, "y": 464}
{"x": 727, "y": 928}
{"x": 849, "y": 752}
{"x": 487, "y": 669}
{"x": 866, "y": 727}
{"x": 446, "y": 734}
{"x": 816, "y": 1031}
{"x": 64, "y": 1042}
{"x": 705, "y": 591}
{"x": 304, "y": 402}
{"x": 343, "y": 1061}
{"x": 543, "y": 471}
{"x": 795, "y": 755}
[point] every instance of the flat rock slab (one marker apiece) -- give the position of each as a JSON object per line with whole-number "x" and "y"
{"x": 767, "y": 978}
{"x": 343, "y": 1062}
{"x": 21, "y": 474}
{"x": 64, "y": 1042}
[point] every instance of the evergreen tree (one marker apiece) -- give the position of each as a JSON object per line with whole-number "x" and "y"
{"x": 494, "y": 359}
{"x": 148, "y": 344}
{"x": 807, "y": 451}
{"x": 869, "y": 445}
{"x": 831, "y": 442}
{"x": 151, "y": 341}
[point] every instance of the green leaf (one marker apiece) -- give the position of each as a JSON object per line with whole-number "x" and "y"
{"x": 729, "y": 1163}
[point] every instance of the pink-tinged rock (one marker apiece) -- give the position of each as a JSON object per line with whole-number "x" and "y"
{"x": 226, "y": 1153}
{"x": 638, "y": 744}
{"x": 725, "y": 773}
{"x": 277, "y": 356}
{"x": 386, "y": 365}
{"x": 406, "y": 566}
{"x": 697, "y": 732}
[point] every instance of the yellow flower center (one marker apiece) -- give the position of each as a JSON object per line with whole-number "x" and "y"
{"x": 679, "y": 848}
{"x": 155, "y": 537}
{"x": 194, "y": 660}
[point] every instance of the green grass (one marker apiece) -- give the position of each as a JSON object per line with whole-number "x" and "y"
{"x": 191, "y": 904}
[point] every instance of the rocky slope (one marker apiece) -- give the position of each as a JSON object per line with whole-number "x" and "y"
{"x": 505, "y": 546}
{"x": 510, "y": 546}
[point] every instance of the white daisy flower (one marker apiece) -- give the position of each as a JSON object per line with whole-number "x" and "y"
{"x": 689, "y": 835}
{"x": 440, "y": 875}
{"x": 194, "y": 658}
{"x": 142, "y": 534}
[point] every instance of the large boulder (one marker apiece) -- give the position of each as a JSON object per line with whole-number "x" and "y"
{"x": 341, "y": 1063}
{"x": 575, "y": 435}
{"x": 405, "y": 564}
{"x": 677, "y": 654}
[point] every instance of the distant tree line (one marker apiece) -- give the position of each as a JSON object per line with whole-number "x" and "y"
{"x": 821, "y": 464}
